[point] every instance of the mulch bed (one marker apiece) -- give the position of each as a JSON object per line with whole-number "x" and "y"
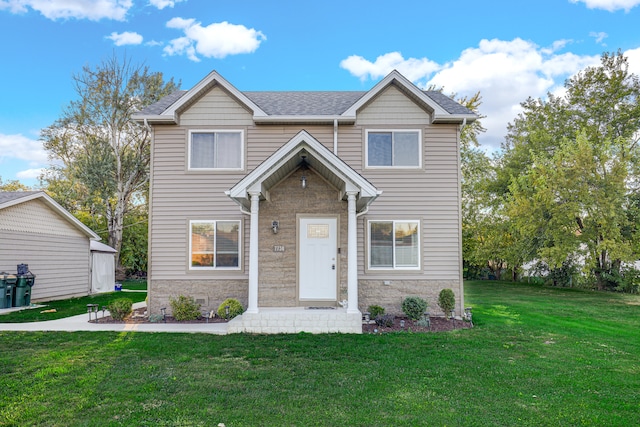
{"x": 438, "y": 324}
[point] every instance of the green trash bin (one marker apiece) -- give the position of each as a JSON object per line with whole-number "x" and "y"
{"x": 22, "y": 293}
{"x": 7, "y": 284}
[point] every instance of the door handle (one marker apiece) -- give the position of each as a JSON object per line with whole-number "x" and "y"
{"x": 333, "y": 266}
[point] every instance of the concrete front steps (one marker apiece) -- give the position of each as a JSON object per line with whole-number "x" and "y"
{"x": 285, "y": 320}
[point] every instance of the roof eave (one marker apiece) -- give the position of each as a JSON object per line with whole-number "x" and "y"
{"x": 156, "y": 119}
{"x": 454, "y": 118}
{"x": 307, "y": 119}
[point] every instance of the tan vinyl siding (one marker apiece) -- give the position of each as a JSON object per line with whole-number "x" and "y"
{"x": 61, "y": 264}
{"x": 216, "y": 108}
{"x": 429, "y": 193}
{"x": 392, "y": 106}
{"x": 35, "y": 216}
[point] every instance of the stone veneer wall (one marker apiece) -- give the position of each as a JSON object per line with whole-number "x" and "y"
{"x": 375, "y": 292}
{"x": 277, "y": 271}
{"x": 213, "y": 292}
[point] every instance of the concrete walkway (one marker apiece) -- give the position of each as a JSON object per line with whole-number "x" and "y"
{"x": 81, "y": 323}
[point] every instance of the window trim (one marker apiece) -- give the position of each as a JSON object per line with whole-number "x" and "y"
{"x": 189, "y": 140}
{"x": 372, "y": 268}
{"x": 214, "y": 222}
{"x": 366, "y": 148}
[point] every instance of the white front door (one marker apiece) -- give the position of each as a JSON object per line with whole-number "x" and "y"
{"x": 318, "y": 260}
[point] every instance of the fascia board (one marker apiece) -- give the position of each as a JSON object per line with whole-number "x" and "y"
{"x": 203, "y": 84}
{"x": 155, "y": 119}
{"x": 454, "y": 118}
{"x": 304, "y": 119}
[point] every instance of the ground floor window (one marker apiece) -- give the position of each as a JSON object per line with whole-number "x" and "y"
{"x": 394, "y": 245}
{"x": 214, "y": 244}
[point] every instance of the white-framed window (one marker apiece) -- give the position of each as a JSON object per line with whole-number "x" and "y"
{"x": 394, "y": 148}
{"x": 394, "y": 245}
{"x": 213, "y": 150}
{"x": 214, "y": 244}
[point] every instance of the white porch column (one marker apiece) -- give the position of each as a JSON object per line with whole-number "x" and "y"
{"x": 253, "y": 253}
{"x": 352, "y": 254}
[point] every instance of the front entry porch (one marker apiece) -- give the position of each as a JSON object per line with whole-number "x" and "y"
{"x": 291, "y": 320}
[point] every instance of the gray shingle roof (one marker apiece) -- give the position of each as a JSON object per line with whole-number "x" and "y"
{"x": 300, "y": 103}
{"x": 304, "y": 103}
{"x": 159, "y": 107}
{"x": 9, "y": 196}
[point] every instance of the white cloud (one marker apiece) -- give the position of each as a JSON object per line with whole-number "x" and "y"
{"x": 609, "y": 5}
{"x": 93, "y": 10}
{"x": 412, "y": 68}
{"x": 600, "y": 36}
{"x": 126, "y": 38}
{"x": 20, "y": 147}
{"x": 30, "y": 173}
{"x": 216, "y": 40}
{"x": 505, "y": 72}
{"x": 161, "y": 4}
{"x": 633, "y": 57}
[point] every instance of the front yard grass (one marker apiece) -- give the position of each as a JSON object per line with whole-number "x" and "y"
{"x": 537, "y": 357}
{"x": 74, "y": 306}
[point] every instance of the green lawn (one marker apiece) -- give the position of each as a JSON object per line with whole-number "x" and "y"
{"x": 537, "y": 357}
{"x": 73, "y": 306}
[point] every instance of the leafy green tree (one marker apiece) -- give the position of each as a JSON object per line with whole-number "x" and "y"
{"x": 105, "y": 155}
{"x": 568, "y": 175}
{"x": 12, "y": 185}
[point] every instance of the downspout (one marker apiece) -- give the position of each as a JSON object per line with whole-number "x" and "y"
{"x": 461, "y": 263}
{"x": 335, "y": 136}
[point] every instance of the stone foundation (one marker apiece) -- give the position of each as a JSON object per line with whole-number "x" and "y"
{"x": 390, "y": 296}
{"x": 209, "y": 293}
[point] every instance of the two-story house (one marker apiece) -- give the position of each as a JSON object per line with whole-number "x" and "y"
{"x": 306, "y": 206}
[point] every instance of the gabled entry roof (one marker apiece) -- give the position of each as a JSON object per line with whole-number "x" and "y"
{"x": 289, "y": 157}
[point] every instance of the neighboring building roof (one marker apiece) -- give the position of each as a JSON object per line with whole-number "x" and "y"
{"x": 100, "y": 247}
{"x": 271, "y": 106}
{"x": 13, "y": 198}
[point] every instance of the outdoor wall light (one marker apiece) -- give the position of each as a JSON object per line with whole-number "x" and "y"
{"x": 303, "y": 181}
{"x": 275, "y": 225}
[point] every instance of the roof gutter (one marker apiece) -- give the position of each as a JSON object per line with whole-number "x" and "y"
{"x": 314, "y": 119}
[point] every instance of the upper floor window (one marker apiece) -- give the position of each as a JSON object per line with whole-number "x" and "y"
{"x": 215, "y": 150}
{"x": 214, "y": 244}
{"x": 393, "y": 148}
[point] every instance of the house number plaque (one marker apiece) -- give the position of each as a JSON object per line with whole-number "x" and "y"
{"x": 278, "y": 248}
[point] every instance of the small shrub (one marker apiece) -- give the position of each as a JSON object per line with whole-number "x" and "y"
{"x": 424, "y": 322}
{"x": 375, "y": 311}
{"x": 447, "y": 301}
{"x": 120, "y": 308}
{"x": 235, "y": 308}
{"x": 184, "y": 308}
{"x": 385, "y": 320}
{"x": 414, "y": 307}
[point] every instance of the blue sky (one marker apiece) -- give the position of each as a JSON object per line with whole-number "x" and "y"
{"x": 508, "y": 50}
